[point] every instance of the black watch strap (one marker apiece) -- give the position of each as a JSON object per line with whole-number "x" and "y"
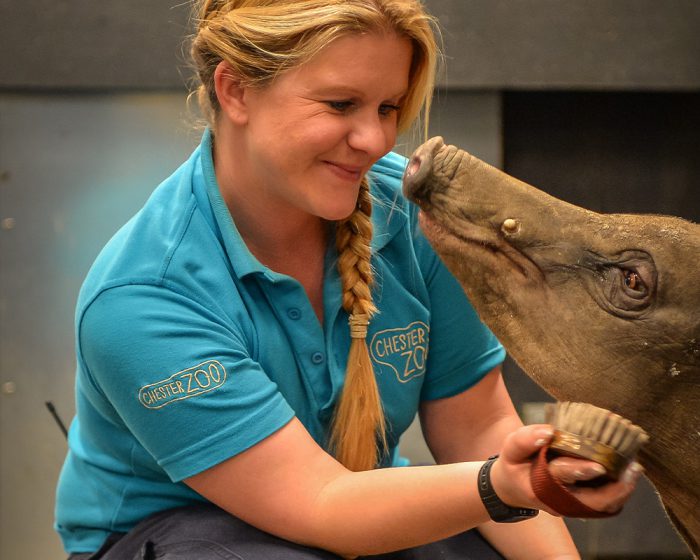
{"x": 497, "y": 510}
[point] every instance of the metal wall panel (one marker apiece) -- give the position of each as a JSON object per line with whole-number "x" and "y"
{"x": 490, "y": 44}
{"x": 72, "y": 170}
{"x": 550, "y": 44}
{"x": 88, "y": 45}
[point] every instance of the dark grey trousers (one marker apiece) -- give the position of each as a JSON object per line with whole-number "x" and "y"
{"x": 205, "y": 532}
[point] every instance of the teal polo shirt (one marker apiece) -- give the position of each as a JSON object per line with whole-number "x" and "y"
{"x": 190, "y": 351}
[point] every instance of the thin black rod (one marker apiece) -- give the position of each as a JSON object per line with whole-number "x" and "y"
{"x": 52, "y": 410}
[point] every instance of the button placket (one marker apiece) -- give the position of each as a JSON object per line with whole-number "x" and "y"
{"x": 304, "y": 333}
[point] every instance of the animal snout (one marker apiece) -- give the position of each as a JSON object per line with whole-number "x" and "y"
{"x": 416, "y": 181}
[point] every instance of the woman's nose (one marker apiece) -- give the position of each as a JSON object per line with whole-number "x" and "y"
{"x": 372, "y": 135}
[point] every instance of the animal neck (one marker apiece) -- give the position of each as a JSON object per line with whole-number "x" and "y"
{"x": 670, "y": 461}
{"x": 680, "y": 501}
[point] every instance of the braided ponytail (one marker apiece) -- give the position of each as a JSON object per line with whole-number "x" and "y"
{"x": 358, "y": 424}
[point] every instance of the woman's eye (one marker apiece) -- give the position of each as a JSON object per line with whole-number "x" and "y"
{"x": 633, "y": 280}
{"x": 340, "y": 106}
{"x": 387, "y": 109}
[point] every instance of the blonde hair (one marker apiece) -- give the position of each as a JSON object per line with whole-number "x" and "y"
{"x": 261, "y": 39}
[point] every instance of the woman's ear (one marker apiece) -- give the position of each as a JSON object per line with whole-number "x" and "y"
{"x": 231, "y": 93}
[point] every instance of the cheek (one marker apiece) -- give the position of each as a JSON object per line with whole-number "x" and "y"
{"x": 319, "y": 138}
{"x": 390, "y": 133}
{"x": 391, "y": 140}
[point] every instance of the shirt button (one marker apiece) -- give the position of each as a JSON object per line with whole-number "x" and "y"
{"x": 294, "y": 314}
{"x": 317, "y": 358}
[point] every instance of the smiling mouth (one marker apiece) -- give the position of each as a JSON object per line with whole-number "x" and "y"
{"x": 351, "y": 173}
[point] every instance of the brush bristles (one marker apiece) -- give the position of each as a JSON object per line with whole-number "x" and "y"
{"x": 584, "y": 430}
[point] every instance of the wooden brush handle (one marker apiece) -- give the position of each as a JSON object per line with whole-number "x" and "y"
{"x": 555, "y": 495}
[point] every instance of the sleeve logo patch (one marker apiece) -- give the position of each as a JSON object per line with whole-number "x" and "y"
{"x": 403, "y": 350}
{"x": 184, "y": 384}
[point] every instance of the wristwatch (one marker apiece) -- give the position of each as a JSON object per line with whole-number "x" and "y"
{"x": 499, "y": 511}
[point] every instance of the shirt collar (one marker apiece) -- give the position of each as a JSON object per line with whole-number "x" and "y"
{"x": 242, "y": 260}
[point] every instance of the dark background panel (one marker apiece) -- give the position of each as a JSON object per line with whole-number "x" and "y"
{"x": 612, "y": 152}
{"x": 609, "y": 152}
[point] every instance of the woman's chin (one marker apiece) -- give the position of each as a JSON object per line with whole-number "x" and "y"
{"x": 340, "y": 210}
{"x": 338, "y": 215}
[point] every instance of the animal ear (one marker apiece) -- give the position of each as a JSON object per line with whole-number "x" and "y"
{"x": 231, "y": 93}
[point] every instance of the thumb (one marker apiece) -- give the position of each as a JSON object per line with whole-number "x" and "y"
{"x": 520, "y": 445}
{"x": 510, "y": 475}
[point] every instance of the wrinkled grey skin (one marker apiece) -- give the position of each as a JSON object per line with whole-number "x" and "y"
{"x": 597, "y": 308}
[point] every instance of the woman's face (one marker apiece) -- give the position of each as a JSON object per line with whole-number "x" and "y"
{"x": 312, "y": 134}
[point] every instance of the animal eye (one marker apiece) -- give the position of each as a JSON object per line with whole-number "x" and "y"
{"x": 623, "y": 284}
{"x": 633, "y": 281}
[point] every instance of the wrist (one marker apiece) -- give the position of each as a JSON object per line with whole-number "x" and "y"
{"x": 498, "y": 510}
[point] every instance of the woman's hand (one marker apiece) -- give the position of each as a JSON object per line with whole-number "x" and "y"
{"x": 510, "y": 474}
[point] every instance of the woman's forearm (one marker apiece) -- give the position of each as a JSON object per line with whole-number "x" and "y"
{"x": 288, "y": 486}
{"x": 390, "y": 509}
{"x": 544, "y": 537}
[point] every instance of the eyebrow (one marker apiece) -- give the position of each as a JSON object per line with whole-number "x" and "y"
{"x": 352, "y": 92}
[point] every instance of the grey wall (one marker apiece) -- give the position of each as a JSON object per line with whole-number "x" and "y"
{"x": 73, "y": 168}
{"x": 88, "y": 45}
{"x": 490, "y": 44}
{"x": 574, "y": 44}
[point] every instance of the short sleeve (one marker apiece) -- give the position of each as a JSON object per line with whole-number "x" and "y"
{"x": 462, "y": 348}
{"x": 179, "y": 376}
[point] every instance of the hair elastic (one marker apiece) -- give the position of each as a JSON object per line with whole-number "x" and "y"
{"x": 358, "y": 325}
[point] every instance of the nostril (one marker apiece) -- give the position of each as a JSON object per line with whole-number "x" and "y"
{"x": 418, "y": 180}
{"x": 415, "y": 185}
{"x": 413, "y": 166}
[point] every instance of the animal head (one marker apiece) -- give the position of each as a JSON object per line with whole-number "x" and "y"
{"x": 603, "y": 308}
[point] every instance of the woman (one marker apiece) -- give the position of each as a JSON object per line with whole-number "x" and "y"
{"x": 215, "y": 415}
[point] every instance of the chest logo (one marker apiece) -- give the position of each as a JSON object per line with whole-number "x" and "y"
{"x": 184, "y": 384}
{"x": 403, "y": 350}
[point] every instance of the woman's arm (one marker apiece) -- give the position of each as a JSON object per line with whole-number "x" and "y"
{"x": 475, "y": 424}
{"x": 472, "y": 426}
{"x": 288, "y": 486}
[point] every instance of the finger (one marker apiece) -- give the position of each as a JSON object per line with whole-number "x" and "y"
{"x": 570, "y": 470}
{"x": 632, "y": 473}
{"x": 524, "y": 442}
{"x": 610, "y": 497}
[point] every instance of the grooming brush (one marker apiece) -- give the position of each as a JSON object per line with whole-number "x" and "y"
{"x": 588, "y": 432}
